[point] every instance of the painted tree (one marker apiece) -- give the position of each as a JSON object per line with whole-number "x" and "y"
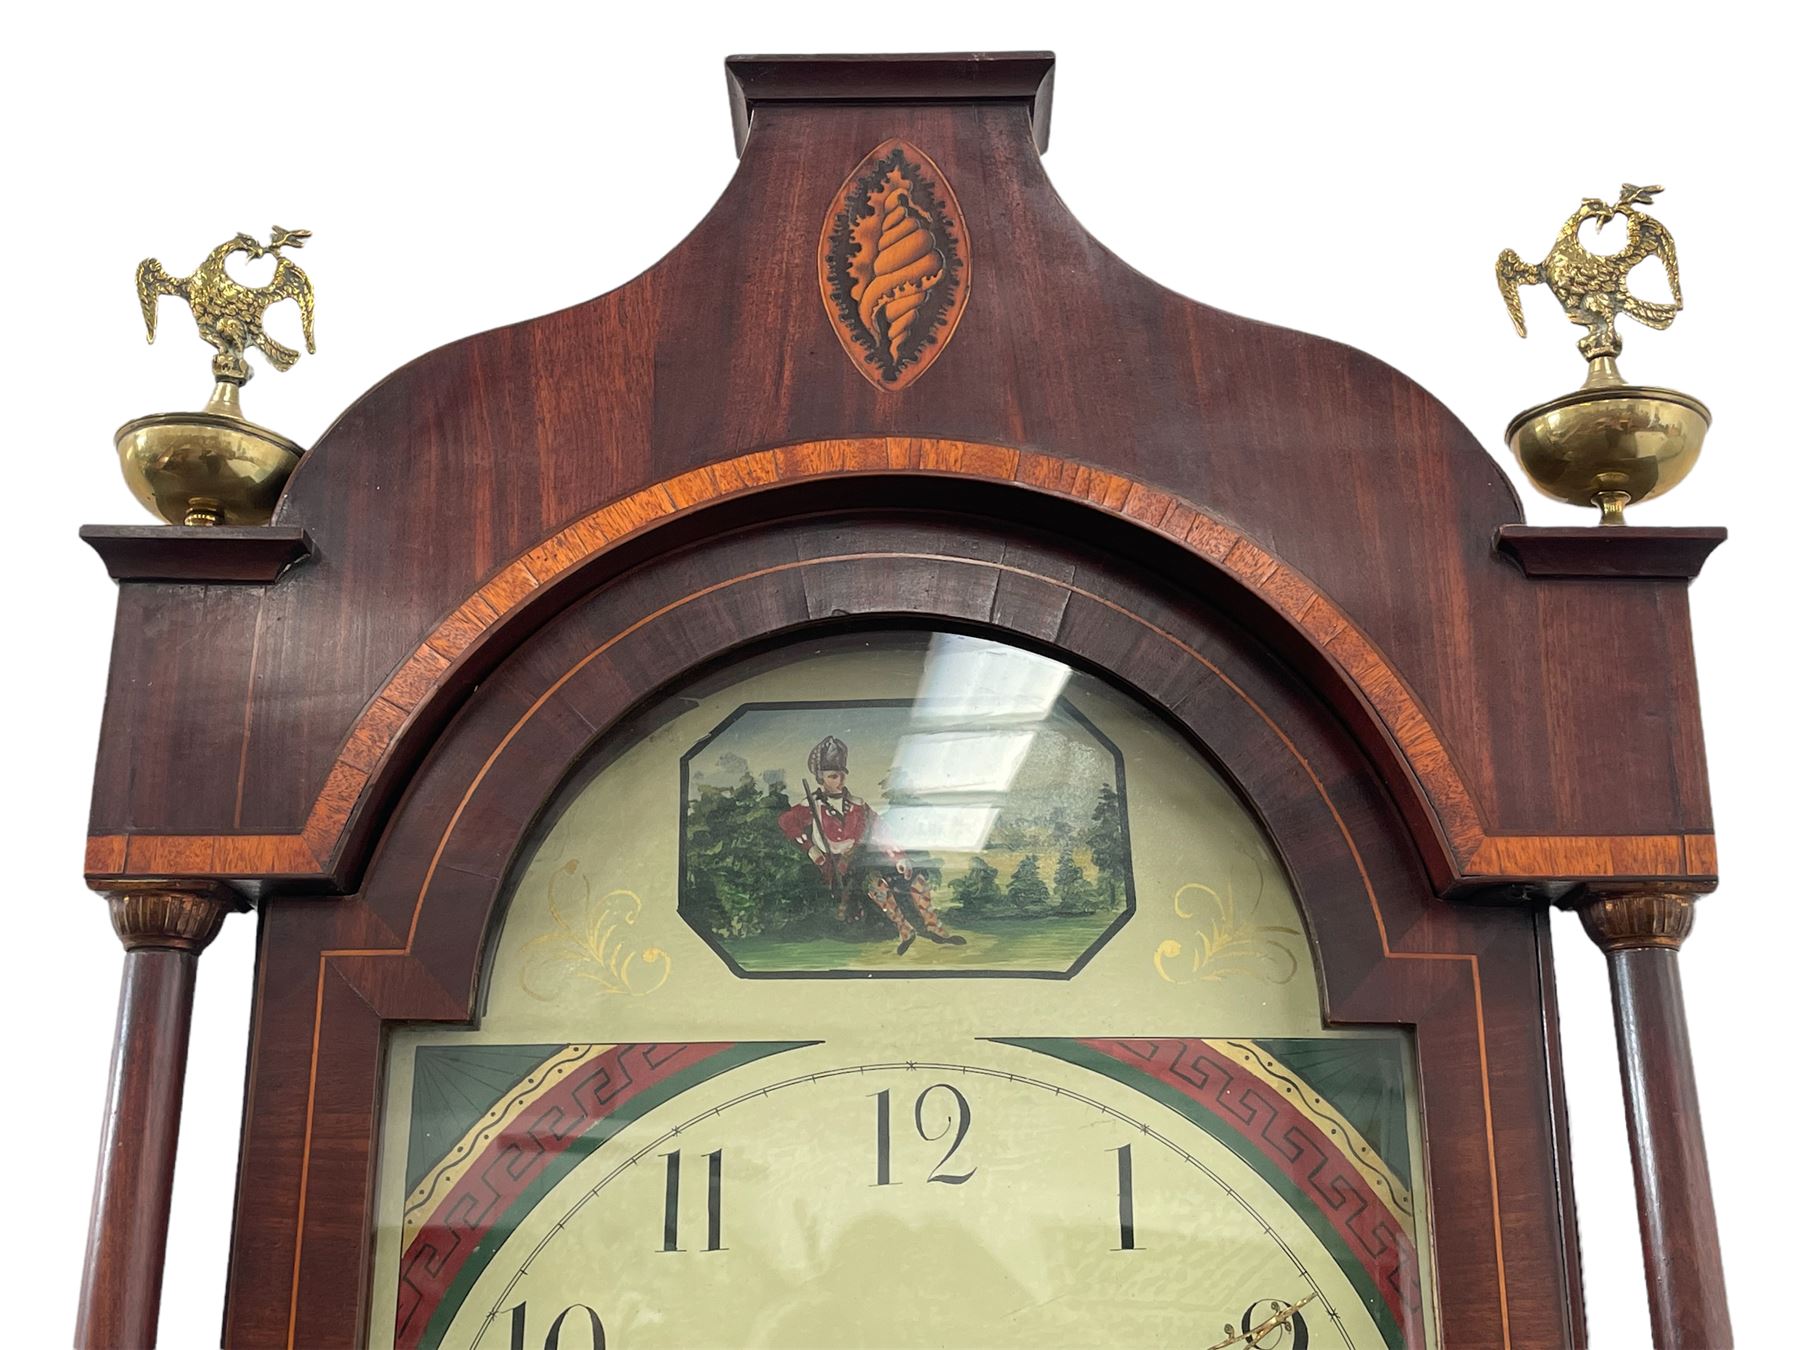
{"x": 1026, "y": 892}
{"x": 1106, "y": 839}
{"x": 1074, "y": 893}
{"x": 977, "y": 891}
{"x": 743, "y": 875}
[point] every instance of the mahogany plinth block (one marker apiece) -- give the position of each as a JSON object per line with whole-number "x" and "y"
{"x": 952, "y": 77}
{"x": 213, "y": 553}
{"x": 1609, "y": 550}
{"x": 128, "y": 1226}
{"x": 1640, "y": 933}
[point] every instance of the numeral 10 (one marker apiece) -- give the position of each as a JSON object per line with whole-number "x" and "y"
{"x": 553, "y": 1337}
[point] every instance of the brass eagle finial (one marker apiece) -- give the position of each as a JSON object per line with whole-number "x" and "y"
{"x": 228, "y": 313}
{"x": 214, "y": 466}
{"x": 1592, "y": 286}
{"x": 1607, "y": 443}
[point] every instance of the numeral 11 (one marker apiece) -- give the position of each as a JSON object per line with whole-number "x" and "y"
{"x": 715, "y": 1174}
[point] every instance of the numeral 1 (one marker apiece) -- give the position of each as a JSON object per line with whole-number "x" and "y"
{"x": 715, "y": 1204}
{"x": 672, "y": 1203}
{"x": 715, "y": 1177}
{"x": 1127, "y": 1215}
{"x": 883, "y": 1140}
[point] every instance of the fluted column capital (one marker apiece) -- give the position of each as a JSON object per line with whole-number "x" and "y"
{"x": 171, "y": 917}
{"x": 1621, "y": 921}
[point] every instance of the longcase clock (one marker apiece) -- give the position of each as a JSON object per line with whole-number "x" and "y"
{"x": 884, "y": 784}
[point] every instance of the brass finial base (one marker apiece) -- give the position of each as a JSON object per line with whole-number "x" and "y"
{"x": 1609, "y": 443}
{"x": 206, "y": 468}
{"x": 213, "y": 467}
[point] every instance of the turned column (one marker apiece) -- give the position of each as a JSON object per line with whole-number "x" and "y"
{"x": 1640, "y": 932}
{"x": 164, "y": 931}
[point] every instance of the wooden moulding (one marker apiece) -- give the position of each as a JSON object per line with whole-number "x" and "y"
{"x": 1617, "y": 551}
{"x": 209, "y": 554}
{"x": 1475, "y": 855}
{"x": 952, "y": 77}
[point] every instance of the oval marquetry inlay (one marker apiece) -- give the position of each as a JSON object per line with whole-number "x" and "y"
{"x": 894, "y": 264}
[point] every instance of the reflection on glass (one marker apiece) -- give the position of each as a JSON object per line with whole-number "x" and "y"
{"x": 978, "y": 711}
{"x": 969, "y": 679}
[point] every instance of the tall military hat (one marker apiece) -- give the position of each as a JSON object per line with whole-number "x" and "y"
{"x": 830, "y": 753}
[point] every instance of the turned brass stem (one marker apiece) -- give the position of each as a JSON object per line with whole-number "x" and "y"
{"x": 1603, "y": 373}
{"x": 1612, "y": 506}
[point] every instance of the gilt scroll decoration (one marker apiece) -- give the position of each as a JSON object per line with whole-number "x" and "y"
{"x": 894, "y": 264}
{"x": 592, "y": 941}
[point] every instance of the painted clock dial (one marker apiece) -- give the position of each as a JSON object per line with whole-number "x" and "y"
{"x": 900, "y": 989}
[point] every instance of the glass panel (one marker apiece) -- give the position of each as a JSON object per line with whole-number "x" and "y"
{"x": 904, "y": 989}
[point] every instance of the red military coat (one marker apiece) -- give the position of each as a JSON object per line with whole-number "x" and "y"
{"x": 836, "y": 828}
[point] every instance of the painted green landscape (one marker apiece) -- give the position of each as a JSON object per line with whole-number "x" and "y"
{"x": 1049, "y": 876}
{"x": 997, "y": 944}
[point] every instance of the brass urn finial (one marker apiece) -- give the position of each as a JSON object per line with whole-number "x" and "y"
{"x": 213, "y": 467}
{"x": 1608, "y": 443}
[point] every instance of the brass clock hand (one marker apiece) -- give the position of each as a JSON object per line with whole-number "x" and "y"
{"x": 1276, "y": 1320}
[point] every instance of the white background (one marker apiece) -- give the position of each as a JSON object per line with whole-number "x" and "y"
{"x": 1350, "y": 170}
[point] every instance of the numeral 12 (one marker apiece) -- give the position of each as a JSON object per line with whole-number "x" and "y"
{"x": 884, "y": 1134}
{"x": 715, "y": 1172}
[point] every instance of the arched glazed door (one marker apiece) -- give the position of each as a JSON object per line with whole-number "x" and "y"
{"x": 874, "y": 911}
{"x": 782, "y": 904}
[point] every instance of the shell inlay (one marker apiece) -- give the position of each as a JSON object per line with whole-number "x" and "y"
{"x": 894, "y": 264}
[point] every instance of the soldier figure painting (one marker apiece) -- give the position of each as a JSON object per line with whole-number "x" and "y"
{"x": 843, "y": 836}
{"x": 974, "y": 844}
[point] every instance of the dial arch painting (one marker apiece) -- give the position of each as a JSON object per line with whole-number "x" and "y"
{"x": 984, "y": 816}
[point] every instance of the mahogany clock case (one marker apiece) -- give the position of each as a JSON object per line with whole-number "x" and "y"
{"x": 1469, "y": 980}
{"x": 512, "y": 543}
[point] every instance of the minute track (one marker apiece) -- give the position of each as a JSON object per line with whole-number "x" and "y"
{"x": 904, "y": 1066}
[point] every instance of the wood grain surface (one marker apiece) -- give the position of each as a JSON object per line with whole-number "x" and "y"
{"x": 439, "y": 496}
{"x": 1291, "y": 551}
{"x": 410, "y": 945}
